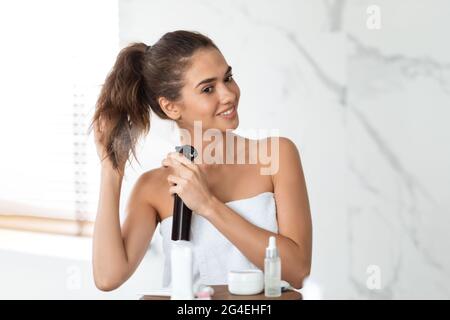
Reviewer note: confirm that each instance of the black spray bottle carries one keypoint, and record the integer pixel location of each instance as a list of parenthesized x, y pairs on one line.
[(181, 221)]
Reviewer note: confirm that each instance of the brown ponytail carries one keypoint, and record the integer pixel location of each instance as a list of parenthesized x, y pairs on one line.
[(138, 78)]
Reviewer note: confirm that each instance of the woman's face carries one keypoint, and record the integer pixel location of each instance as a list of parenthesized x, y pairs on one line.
[(209, 90)]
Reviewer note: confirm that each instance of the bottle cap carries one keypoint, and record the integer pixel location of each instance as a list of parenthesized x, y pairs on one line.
[(188, 151), (271, 250)]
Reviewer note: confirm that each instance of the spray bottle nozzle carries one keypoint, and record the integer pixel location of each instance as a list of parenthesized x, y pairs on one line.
[(271, 250), (188, 151), (272, 242)]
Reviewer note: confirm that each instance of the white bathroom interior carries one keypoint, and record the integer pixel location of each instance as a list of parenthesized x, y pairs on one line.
[(362, 88)]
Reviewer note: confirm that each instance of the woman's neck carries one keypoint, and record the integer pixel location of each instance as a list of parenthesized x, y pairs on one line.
[(213, 147)]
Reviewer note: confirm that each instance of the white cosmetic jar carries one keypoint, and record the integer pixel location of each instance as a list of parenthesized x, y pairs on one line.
[(245, 282)]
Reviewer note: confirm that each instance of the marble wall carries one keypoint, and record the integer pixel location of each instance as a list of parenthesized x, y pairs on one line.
[(363, 89)]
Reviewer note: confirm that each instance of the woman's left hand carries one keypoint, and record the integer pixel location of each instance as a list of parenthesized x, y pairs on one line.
[(189, 182)]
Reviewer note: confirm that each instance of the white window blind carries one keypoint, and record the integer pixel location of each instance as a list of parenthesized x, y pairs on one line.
[(54, 58)]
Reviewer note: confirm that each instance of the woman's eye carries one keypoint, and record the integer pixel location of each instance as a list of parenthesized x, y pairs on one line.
[(205, 90), (228, 79)]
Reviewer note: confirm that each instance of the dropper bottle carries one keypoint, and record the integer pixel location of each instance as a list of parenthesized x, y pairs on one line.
[(272, 270)]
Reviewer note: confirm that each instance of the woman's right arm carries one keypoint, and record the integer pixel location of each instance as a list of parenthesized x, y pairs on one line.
[(118, 251)]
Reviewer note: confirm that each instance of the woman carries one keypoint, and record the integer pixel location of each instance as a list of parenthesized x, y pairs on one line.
[(185, 78)]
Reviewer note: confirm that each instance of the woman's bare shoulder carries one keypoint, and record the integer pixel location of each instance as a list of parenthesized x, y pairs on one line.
[(153, 175), (155, 188), (276, 144), (154, 180)]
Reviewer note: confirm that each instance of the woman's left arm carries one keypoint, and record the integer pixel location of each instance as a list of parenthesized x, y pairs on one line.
[(294, 238)]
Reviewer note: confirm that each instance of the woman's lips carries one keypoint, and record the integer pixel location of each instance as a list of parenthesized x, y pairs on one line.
[(228, 114)]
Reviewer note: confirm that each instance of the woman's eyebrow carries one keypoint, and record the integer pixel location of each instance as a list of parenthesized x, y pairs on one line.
[(213, 79)]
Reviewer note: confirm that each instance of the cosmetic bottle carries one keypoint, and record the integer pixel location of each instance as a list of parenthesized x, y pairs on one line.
[(181, 264), (272, 270)]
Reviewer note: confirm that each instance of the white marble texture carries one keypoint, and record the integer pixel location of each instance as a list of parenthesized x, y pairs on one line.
[(368, 110)]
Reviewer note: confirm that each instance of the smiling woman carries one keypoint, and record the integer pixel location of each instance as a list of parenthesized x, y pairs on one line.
[(184, 78)]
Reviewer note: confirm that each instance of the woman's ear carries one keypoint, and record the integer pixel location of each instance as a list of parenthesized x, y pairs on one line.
[(171, 109)]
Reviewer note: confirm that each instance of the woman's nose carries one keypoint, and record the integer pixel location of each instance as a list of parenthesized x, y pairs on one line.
[(227, 95)]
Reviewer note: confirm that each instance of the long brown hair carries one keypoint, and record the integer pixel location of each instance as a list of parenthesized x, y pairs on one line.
[(140, 75)]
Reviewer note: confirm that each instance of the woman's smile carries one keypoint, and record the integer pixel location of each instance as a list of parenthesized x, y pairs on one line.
[(229, 113)]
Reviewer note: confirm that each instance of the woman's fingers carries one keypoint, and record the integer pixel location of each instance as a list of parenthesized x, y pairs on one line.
[(175, 189), (181, 158), (174, 180), (177, 184), (96, 130), (99, 139), (179, 168), (99, 130)]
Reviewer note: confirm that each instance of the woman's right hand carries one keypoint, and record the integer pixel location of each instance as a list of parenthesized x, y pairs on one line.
[(99, 138), (100, 142)]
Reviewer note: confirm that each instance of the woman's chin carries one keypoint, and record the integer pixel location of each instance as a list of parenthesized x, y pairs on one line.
[(223, 124), (230, 126)]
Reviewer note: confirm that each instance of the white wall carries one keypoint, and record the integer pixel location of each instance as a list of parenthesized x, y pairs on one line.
[(367, 109)]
